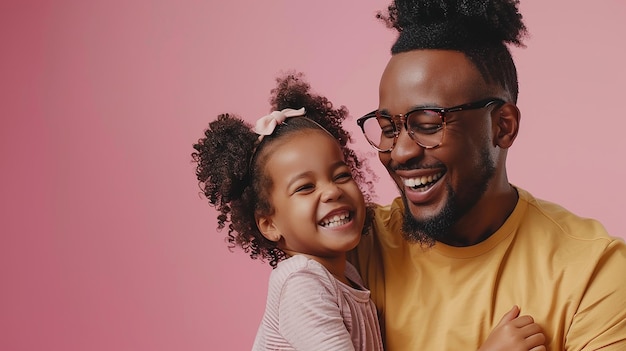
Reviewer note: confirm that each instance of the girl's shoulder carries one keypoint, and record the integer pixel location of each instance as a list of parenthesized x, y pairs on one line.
[(300, 273), (300, 264)]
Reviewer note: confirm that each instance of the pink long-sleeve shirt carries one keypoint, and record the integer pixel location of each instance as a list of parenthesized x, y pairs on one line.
[(309, 309)]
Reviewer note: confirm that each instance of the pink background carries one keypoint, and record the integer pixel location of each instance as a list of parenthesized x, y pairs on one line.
[(105, 243)]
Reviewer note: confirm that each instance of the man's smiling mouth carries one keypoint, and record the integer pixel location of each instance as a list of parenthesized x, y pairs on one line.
[(422, 183)]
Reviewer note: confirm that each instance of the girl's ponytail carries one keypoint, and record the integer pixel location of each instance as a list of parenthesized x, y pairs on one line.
[(223, 161)]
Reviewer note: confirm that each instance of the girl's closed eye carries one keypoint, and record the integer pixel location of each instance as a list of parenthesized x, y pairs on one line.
[(304, 188), (343, 177)]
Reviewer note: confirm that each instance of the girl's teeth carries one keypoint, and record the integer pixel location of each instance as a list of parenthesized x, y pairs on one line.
[(336, 220)]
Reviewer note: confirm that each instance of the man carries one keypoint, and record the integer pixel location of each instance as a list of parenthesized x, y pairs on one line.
[(462, 245)]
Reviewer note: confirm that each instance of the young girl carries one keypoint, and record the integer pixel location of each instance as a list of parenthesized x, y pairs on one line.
[(288, 191)]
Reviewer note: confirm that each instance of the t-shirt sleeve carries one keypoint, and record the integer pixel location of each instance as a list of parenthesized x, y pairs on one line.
[(600, 320), (309, 314)]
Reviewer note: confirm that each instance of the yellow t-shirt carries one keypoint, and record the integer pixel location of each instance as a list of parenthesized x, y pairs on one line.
[(563, 270)]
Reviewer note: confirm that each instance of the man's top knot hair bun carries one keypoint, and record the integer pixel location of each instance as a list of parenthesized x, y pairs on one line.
[(454, 24)]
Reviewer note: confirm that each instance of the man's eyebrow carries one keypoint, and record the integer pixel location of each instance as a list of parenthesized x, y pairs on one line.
[(414, 107)]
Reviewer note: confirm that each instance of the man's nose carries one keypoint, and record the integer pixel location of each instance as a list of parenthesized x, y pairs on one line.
[(405, 148)]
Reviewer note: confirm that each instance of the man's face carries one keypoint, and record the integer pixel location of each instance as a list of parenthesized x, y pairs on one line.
[(440, 185)]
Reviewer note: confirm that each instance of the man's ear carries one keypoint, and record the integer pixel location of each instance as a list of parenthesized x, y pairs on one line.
[(268, 228), (506, 125)]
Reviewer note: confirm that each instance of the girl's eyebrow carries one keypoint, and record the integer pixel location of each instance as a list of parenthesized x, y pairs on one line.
[(298, 177)]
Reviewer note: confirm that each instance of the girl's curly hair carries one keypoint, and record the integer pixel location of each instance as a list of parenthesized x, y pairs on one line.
[(230, 163), (479, 28)]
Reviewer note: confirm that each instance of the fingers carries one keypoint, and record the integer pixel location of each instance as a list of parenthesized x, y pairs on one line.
[(530, 329), (522, 321), (514, 330), (535, 340), (534, 336), (509, 316)]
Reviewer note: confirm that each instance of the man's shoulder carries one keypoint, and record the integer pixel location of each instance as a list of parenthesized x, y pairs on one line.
[(390, 213), (554, 217), (388, 221), (385, 211)]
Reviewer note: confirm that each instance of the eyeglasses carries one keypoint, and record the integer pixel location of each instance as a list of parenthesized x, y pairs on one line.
[(425, 125)]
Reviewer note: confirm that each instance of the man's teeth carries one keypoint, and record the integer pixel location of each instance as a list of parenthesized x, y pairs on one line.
[(421, 181), (336, 220)]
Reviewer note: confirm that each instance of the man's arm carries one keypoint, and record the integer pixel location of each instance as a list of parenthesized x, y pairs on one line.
[(600, 320)]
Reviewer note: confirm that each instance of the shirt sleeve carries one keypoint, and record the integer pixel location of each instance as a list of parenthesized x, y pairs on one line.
[(310, 315), (600, 321)]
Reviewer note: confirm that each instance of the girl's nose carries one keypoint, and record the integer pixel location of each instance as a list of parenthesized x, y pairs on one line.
[(331, 192)]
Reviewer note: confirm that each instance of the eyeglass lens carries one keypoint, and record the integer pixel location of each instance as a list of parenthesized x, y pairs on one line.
[(424, 126)]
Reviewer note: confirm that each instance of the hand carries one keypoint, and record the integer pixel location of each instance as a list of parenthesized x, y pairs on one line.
[(515, 333)]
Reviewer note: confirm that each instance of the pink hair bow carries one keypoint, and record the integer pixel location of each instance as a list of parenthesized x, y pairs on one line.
[(266, 124)]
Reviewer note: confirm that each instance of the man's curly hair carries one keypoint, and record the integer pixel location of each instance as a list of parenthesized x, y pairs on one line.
[(481, 29), (230, 163)]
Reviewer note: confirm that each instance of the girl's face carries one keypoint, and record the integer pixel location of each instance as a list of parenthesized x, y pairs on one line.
[(319, 210)]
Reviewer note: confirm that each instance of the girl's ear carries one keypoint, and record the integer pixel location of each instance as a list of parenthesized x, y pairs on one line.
[(268, 228)]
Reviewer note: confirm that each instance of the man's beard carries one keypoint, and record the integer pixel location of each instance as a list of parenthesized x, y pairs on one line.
[(438, 227)]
